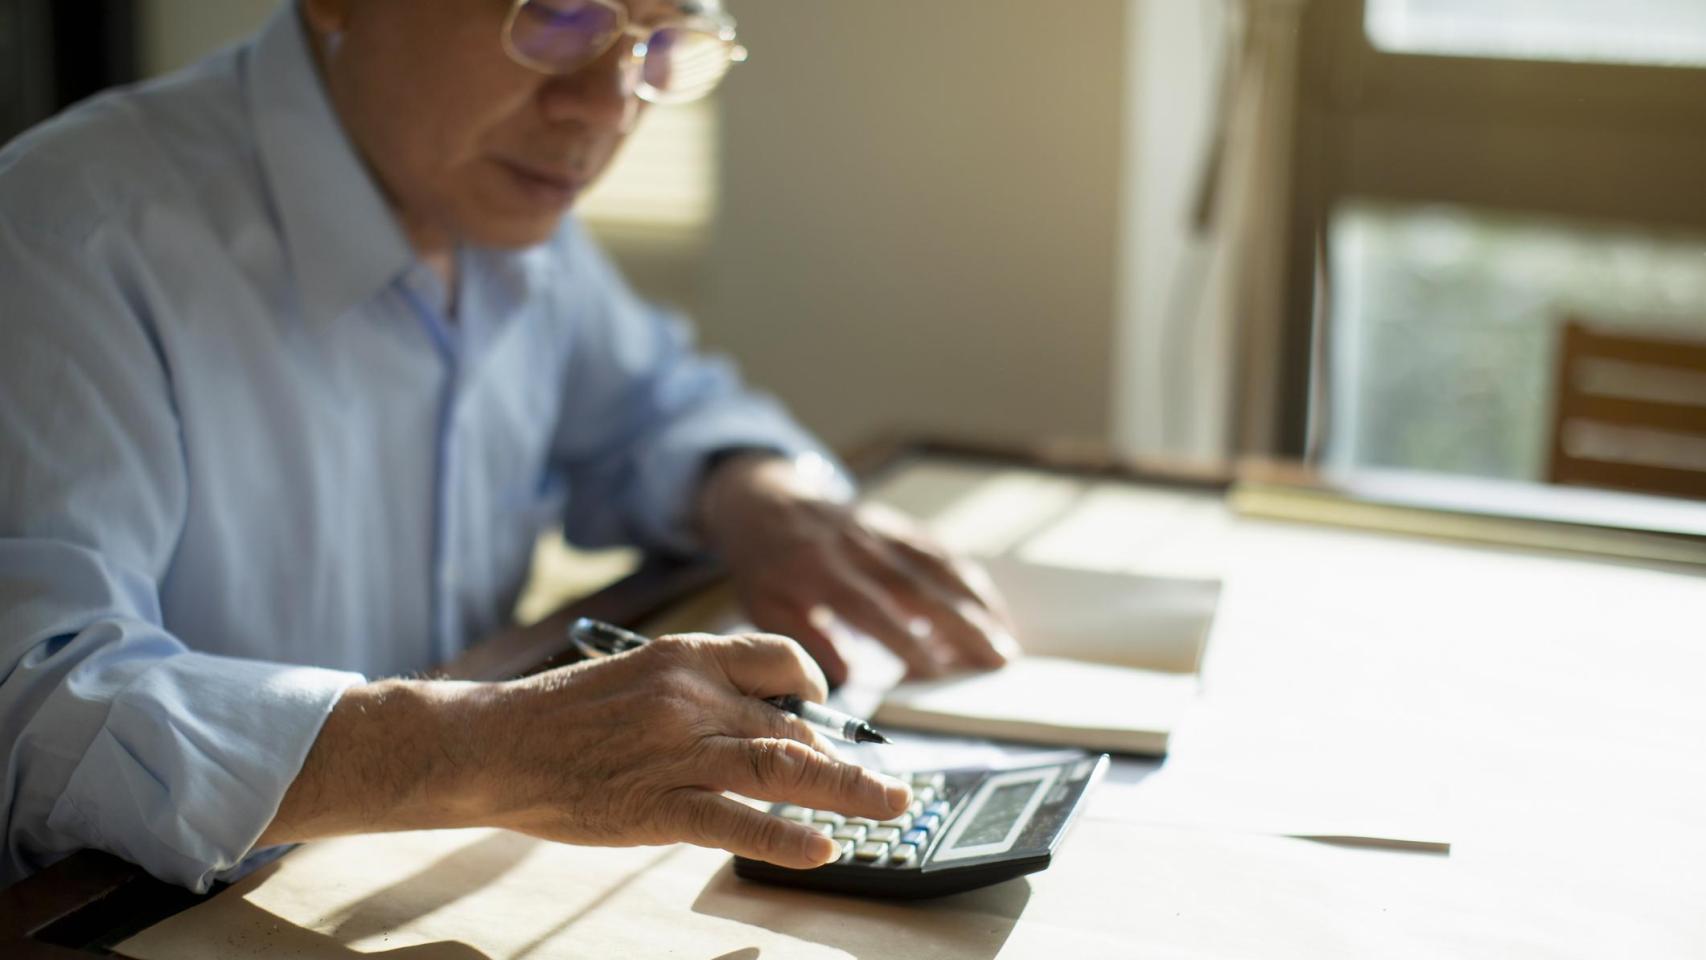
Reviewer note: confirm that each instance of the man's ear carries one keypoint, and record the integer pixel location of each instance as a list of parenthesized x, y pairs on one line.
[(326, 17)]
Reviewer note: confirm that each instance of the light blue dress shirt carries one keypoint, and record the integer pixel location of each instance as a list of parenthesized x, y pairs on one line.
[(250, 454)]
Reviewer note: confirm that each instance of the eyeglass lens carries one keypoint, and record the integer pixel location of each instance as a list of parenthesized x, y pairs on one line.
[(562, 36)]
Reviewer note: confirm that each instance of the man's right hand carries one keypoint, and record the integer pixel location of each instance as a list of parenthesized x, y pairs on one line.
[(628, 750)]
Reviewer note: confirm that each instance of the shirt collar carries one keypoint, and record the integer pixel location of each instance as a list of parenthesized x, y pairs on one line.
[(342, 239)]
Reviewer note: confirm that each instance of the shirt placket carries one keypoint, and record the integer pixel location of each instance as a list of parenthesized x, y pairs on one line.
[(429, 303)]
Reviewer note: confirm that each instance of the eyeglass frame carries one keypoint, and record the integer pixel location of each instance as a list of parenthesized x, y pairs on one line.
[(718, 24)]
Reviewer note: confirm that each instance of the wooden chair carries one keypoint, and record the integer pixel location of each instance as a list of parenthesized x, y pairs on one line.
[(1629, 412)]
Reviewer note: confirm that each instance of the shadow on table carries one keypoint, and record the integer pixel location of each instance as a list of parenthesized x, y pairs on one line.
[(472, 867), (965, 926), (267, 934), (447, 880)]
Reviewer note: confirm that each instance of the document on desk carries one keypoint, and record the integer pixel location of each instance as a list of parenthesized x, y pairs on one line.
[(1321, 714), (1111, 663), (1325, 780)]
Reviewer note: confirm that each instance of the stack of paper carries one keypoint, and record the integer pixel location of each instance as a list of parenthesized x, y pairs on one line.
[(1111, 663)]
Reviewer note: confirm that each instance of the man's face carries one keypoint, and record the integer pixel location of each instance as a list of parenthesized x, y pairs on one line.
[(466, 143)]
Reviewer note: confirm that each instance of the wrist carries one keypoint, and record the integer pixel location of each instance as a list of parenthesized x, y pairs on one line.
[(741, 485), (432, 730)]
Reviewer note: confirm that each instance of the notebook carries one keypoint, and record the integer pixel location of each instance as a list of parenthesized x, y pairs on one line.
[(1111, 663)]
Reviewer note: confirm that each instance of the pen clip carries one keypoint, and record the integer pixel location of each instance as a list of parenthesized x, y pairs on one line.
[(595, 638)]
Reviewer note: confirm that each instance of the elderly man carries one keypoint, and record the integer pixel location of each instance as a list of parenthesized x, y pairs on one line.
[(300, 354)]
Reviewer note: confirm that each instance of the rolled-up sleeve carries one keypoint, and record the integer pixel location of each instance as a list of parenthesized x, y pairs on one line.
[(643, 410), (117, 736)]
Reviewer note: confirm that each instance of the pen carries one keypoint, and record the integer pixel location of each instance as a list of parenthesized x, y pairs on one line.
[(595, 638)]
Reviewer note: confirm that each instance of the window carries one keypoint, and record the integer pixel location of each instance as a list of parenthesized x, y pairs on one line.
[(1466, 176), (1609, 31), (1445, 323), (665, 177)]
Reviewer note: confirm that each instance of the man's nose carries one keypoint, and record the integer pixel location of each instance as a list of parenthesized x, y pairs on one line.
[(600, 94)]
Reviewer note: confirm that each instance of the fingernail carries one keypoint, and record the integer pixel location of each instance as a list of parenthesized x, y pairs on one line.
[(820, 849), (1000, 651), (896, 793)]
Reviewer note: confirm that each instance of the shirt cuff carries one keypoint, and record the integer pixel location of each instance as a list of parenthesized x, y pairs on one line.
[(193, 760)]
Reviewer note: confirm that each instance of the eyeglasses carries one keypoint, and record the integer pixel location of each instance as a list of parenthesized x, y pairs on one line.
[(678, 60)]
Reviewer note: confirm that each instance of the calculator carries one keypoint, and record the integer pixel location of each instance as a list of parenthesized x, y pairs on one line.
[(965, 829)]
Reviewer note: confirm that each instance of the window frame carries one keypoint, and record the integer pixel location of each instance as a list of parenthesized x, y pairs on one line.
[(1601, 142)]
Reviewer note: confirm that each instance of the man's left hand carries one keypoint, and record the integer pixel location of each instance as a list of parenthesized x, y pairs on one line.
[(791, 548)]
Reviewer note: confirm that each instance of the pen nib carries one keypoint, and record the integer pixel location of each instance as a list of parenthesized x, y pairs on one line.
[(866, 735)]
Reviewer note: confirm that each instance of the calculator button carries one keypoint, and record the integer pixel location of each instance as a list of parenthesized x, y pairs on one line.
[(927, 823), (870, 851), (902, 854), (794, 812), (916, 808), (829, 817), (924, 795), (883, 834), (902, 823), (846, 851), (917, 838), (849, 832), (934, 781), (824, 828), (865, 822), (938, 809)]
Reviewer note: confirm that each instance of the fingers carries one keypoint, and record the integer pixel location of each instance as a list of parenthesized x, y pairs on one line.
[(959, 578), (710, 820), (956, 617), (760, 720), (967, 629), (892, 532), (866, 606), (787, 770), (797, 622), (780, 770), (764, 665)]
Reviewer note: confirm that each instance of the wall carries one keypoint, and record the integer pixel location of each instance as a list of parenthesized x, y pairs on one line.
[(920, 209), (176, 32)]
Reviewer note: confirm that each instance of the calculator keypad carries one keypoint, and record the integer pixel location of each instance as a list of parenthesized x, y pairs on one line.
[(897, 842), (966, 828), (850, 832), (871, 851)]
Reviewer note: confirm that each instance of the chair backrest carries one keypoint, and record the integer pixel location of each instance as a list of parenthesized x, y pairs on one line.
[(1629, 411)]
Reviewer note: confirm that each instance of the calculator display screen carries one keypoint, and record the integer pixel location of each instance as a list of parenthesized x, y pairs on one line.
[(998, 813)]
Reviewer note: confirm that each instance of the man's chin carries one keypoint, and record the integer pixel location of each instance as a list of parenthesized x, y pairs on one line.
[(516, 232)]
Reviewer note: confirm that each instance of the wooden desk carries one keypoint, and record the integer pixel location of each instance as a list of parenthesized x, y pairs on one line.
[(1580, 781)]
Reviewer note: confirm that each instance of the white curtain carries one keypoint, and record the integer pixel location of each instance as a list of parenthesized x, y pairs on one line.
[(1255, 181), (1206, 226)]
